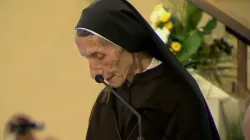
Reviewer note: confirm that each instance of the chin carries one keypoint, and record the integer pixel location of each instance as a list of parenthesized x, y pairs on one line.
[(116, 81), (115, 85)]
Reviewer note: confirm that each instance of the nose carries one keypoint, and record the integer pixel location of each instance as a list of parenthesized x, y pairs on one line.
[(94, 72), (95, 69)]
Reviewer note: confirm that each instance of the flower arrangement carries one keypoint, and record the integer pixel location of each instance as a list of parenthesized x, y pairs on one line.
[(184, 38)]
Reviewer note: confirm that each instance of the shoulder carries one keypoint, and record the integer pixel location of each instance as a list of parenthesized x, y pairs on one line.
[(103, 96), (173, 90), (172, 85)]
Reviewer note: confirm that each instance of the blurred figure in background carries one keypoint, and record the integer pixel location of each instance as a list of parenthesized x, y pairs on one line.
[(21, 127)]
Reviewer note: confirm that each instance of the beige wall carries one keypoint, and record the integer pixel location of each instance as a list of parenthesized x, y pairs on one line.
[(41, 72)]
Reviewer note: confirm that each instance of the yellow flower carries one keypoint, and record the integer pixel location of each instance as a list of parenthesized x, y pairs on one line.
[(165, 16), (158, 6), (169, 25), (176, 46), (159, 15), (154, 17)]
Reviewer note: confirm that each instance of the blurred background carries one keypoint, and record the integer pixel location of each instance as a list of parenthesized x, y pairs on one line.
[(43, 76)]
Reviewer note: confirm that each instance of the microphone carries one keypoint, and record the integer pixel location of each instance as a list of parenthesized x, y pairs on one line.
[(100, 79)]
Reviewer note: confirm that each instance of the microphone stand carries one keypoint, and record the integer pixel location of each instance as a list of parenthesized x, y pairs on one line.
[(100, 79)]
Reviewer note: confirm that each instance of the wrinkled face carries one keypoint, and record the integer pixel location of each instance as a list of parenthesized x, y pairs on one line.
[(105, 58)]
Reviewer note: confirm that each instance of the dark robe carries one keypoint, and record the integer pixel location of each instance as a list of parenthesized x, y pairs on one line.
[(169, 109), (168, 97)]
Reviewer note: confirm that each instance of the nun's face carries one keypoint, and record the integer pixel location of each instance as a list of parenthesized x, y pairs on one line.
[(105, 58)]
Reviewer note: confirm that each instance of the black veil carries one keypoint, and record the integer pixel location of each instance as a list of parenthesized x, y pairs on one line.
[(119, 22)]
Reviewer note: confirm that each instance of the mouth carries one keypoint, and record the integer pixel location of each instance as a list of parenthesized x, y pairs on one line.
[(108, 79)]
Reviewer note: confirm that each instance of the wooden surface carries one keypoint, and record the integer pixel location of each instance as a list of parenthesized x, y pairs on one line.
[(233, 13), (242, 64)]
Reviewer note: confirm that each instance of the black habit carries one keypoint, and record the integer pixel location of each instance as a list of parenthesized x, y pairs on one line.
[(168, 98)]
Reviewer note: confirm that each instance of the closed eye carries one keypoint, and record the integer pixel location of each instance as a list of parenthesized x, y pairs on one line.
[(97, 55)]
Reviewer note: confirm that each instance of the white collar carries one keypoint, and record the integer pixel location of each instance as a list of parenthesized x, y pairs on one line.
[(154, 63)]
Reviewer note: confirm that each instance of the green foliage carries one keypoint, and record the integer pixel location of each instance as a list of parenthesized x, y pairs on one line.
[(195, 51), (178, 32), (211, 24), (161, 25), (213, 60), (189, 35), (188, 41), (193, 16), (190, 46)]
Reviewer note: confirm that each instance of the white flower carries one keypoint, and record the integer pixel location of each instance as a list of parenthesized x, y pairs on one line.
[(153, 26), (163, 34), (154, 17)]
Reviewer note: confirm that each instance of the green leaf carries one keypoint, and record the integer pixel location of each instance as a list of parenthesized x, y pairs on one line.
[(189, 46), (194, 20), (193, 16), (211, 24), (180, 36), (190, 9), (161, 25), (178, 26), (178, 32)]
